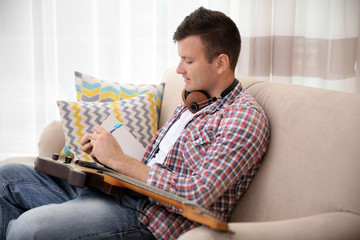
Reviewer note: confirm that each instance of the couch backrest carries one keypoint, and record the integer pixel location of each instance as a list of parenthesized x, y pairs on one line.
[(312, 165), (171, 95)]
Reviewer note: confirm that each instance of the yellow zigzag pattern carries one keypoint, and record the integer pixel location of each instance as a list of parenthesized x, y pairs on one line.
[(125, 96), (78, 95), (116, 111), (113, 96), (79, 126), (153, 110), (78, 119), (90, 93)]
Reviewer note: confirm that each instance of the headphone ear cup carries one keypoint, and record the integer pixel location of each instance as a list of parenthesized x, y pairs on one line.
[(184, 95), (192, 100)]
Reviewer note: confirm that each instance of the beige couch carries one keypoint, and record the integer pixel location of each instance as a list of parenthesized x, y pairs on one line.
[(308, 186)]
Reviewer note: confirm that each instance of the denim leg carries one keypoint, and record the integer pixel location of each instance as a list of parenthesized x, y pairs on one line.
[(93, 215), (22, 188), (45, 208)]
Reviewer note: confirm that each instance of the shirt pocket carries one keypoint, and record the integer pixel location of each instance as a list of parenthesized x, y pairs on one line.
[(199, 142)]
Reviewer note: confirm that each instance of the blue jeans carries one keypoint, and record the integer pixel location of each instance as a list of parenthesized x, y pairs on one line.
[(36, 206)]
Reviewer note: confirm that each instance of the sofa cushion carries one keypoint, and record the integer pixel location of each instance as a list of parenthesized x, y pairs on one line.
[(138, 114)]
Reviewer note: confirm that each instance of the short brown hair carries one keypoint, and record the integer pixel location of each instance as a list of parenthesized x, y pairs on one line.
[(218, 34)]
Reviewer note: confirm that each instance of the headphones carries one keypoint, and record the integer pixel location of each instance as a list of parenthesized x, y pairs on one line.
[(197, 100)]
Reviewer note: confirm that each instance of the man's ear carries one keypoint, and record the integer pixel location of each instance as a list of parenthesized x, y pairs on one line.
[(223, 63)]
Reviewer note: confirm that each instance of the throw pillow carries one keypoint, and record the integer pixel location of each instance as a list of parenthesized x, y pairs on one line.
[(138, 114), (90, 89)]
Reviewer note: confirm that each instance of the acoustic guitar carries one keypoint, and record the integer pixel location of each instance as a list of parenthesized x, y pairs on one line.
[(80, 174)]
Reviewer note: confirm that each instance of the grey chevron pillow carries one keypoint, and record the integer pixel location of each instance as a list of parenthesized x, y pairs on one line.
[(138, 114)]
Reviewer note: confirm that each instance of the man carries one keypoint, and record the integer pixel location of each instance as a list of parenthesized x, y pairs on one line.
[(209, 156)]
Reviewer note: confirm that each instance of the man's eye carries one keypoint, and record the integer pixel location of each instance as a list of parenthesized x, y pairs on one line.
[(188, 62)]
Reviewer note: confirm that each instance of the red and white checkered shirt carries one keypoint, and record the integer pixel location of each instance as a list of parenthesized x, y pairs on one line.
[(212, 162)]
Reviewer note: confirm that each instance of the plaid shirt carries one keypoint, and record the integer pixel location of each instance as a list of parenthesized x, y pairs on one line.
[(212, 162)]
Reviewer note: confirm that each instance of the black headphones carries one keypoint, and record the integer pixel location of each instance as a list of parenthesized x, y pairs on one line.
[(197, 100)]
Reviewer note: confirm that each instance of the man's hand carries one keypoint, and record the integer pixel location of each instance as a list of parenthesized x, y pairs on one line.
[(86, 144), (104, 148)]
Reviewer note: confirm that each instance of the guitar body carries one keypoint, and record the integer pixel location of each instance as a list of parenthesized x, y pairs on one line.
[(76, 175), (82, 174)]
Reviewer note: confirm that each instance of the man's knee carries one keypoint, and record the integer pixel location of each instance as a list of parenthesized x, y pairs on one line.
[(19, 230), (33, 226)]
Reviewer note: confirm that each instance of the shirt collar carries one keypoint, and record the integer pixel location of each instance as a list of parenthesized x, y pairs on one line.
[(228, 99)]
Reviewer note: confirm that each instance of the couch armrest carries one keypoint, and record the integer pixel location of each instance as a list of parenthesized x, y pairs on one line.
[(24, 160), (338, 225), (52, 139)]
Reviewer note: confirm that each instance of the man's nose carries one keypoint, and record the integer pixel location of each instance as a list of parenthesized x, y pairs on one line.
[(180, 69)]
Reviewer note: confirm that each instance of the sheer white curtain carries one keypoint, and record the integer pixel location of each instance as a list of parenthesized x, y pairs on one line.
[(42, 43)]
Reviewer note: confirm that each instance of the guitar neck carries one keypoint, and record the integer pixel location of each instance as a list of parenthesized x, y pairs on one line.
[(190, 209)]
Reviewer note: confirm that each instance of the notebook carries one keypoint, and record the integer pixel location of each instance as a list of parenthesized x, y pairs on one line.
[(126, 140)]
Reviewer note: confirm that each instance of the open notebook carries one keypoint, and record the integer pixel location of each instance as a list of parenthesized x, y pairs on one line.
[(126, 140)]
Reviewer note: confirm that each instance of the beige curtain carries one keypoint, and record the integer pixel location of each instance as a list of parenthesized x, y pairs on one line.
[(308, 42)]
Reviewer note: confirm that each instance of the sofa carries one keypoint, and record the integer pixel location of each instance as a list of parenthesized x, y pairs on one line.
[(308, 185)]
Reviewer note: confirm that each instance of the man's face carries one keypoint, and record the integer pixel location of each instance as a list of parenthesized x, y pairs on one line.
[(197, 72)]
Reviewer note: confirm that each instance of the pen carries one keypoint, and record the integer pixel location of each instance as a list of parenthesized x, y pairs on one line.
[(116, 127)]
